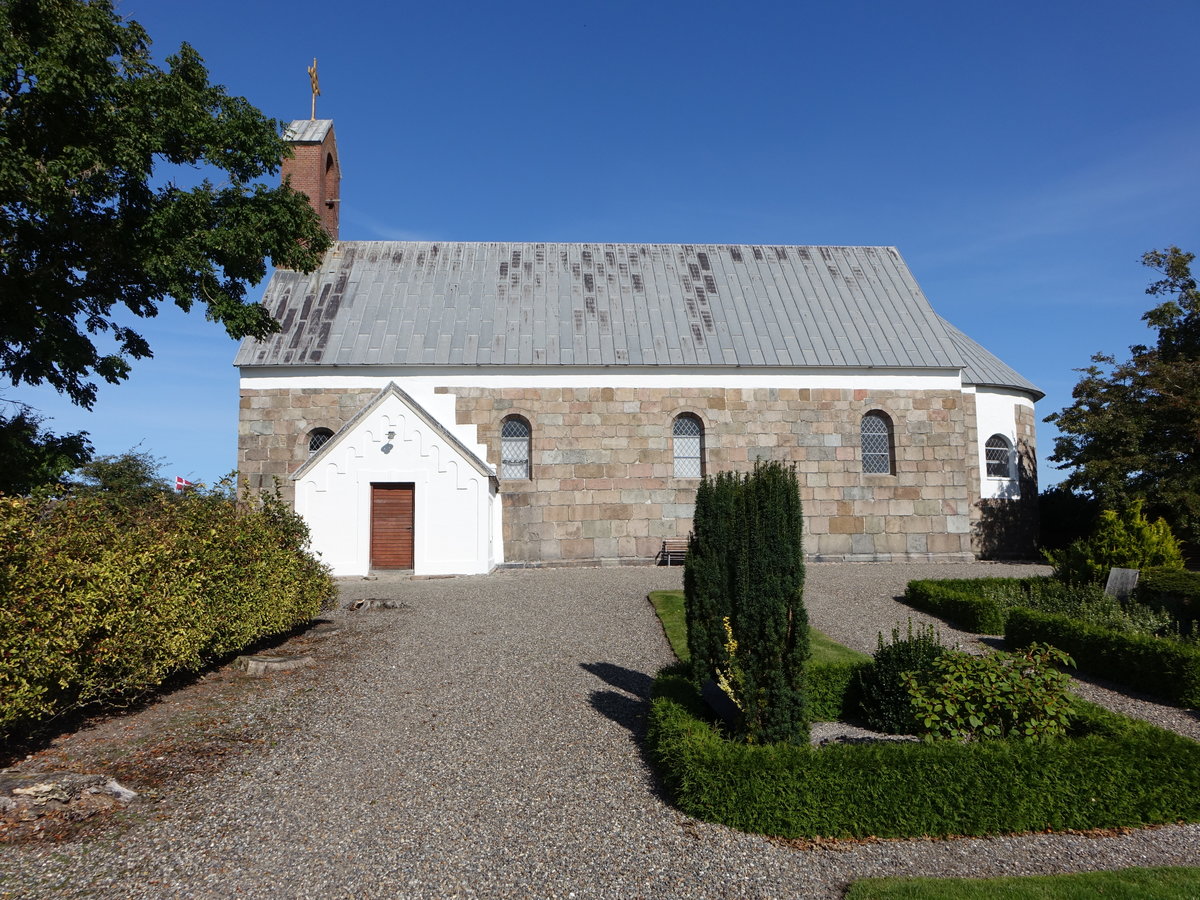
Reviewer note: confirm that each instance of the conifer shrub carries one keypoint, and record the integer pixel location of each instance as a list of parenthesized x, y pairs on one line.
[(707, 573), (100, 603), (884, 699), (743, 583), (1122, 539)]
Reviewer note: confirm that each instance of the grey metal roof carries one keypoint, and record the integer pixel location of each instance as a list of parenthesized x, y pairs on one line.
[(547, 304), (307, 131), (982, 368)]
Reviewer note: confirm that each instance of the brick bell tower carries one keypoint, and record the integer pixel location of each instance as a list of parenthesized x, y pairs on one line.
[(314, 169)]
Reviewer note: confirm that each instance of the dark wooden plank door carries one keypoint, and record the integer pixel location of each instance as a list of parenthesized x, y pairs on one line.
[(392, 526)]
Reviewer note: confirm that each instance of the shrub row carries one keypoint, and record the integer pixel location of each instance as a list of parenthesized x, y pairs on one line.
[(1113, 772), (968, 603), (102, 602), (1165, 668), (1175, 591)]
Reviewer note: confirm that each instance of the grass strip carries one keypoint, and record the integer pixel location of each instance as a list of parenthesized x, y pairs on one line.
[(1162, 883)]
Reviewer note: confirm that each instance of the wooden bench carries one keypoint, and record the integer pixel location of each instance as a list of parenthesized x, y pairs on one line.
[(673, 552)]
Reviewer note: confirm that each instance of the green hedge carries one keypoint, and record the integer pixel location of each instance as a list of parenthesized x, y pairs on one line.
[(833, 689), (1175, 590), (1166, 668), (102, 602), (972, 604), (1113, 773)]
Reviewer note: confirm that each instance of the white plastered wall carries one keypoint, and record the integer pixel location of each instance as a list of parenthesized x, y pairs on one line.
[(455, 507), (996, 413)]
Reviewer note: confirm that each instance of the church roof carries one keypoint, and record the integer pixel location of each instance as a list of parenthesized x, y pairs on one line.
[(396, 303), (307, 131), (984, 369)]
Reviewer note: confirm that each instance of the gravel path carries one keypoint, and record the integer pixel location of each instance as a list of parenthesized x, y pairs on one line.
[(482, 742)]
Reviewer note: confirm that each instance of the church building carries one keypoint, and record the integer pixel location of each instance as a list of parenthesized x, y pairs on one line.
[(449, 407)]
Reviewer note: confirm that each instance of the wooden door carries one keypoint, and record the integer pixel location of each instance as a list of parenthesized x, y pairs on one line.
[(392, 526)]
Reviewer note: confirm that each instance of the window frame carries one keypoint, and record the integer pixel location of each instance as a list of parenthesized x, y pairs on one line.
[(511, 441), (326, 434), (698, 437), (1010, 462), (888, 434)]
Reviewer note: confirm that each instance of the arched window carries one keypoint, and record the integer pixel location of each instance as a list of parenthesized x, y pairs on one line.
[(687, 433), (876, 438), (317, 439), (1000, 457), (515, 435)]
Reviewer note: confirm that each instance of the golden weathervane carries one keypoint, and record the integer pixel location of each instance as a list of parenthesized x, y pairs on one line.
[(316, 86)]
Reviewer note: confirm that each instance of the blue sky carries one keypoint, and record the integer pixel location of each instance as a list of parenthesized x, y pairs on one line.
[(1022, 156)]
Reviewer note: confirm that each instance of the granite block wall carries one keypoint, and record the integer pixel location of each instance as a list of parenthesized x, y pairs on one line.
[(602, 484), (273, 429)]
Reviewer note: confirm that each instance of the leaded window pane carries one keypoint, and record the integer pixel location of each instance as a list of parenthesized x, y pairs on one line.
[(688, 447), (317, 439), (876, 445), (514, 448), (998, 452)]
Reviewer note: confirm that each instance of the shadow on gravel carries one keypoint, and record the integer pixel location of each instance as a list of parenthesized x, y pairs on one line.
[(636, 683)]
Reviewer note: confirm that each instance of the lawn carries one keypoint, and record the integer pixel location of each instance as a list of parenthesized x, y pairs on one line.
[(1122, 884), (669, 606)]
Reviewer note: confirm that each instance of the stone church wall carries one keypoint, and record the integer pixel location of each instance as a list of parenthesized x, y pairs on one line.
[(602, 465), (274, 425), (602, 481)]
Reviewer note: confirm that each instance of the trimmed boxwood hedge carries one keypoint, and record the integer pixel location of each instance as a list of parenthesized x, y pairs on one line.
[(1175, 590), (960, 601), (1114, 772), (1166, 668), (833, 689)]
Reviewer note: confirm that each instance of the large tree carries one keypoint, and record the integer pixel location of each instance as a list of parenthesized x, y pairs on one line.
[(94, 229), (1133, 431)]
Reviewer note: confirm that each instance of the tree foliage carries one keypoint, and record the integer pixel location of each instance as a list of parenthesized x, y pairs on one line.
[(31, 456), (130, 478), (1133, 431), (94, 228)]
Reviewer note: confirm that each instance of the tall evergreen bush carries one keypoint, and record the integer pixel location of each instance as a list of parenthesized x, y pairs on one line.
[(744, 584), (706, 585)]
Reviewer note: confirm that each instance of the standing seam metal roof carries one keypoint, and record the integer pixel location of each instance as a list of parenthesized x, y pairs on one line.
[(550, 304)]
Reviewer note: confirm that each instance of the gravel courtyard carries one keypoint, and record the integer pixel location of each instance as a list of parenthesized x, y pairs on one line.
[(482, 742)]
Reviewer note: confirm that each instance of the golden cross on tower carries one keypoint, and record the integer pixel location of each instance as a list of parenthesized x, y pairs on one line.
[(316, 86)]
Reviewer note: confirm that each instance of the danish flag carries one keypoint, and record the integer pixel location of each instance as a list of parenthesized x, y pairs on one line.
[(181, 484)]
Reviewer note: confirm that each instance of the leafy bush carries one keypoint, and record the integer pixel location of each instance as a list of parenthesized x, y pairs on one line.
[(743, 582), (1111, 772), (884, 700), (1124, 539), (996, 695), (1166, 668), (102, 602)]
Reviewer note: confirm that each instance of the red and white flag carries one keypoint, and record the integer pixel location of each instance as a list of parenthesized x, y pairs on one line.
[(181, 484)]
